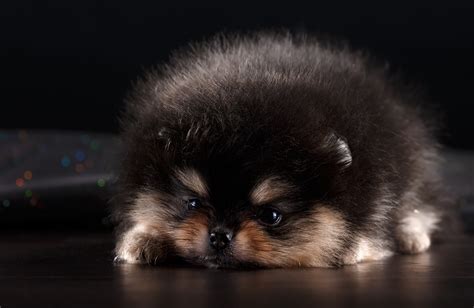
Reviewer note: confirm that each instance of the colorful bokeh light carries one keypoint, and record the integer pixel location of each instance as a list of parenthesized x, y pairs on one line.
[(20, 182), (28, 193), (65, 161), (28, 175), (101, 183)]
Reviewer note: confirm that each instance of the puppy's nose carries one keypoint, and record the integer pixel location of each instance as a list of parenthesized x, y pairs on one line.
[(219, 239)]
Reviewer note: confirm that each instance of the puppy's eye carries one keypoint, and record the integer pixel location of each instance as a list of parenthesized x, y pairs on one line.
[(269, 217), (193, 204)]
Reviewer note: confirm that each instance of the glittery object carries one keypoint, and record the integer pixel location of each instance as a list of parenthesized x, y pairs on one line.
[(28, 193), (101, 183), (79, 161), (28, 175), (65, 161), (20, 182)]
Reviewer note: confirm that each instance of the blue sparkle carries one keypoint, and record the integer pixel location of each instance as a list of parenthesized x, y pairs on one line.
[(65, 161), (80, 156)]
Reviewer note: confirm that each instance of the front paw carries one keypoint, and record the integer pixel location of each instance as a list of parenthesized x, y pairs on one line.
[(139, 248), (412, 243)]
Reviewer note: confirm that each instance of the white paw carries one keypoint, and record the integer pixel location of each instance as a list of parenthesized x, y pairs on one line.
[(413, 242), (136, 247), (414, 230), (127, 256)]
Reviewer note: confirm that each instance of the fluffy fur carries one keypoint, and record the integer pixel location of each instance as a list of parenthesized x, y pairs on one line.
[(273, 121)]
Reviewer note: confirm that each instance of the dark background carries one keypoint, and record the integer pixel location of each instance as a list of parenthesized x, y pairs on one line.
[(68, 64)]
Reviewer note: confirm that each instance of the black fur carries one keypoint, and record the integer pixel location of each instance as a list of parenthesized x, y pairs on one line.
[(241, 108)]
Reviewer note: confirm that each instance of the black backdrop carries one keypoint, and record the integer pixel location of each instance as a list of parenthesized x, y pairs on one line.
[(68, 64)]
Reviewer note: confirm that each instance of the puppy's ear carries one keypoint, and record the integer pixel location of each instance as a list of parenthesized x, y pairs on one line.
[(339, 147)]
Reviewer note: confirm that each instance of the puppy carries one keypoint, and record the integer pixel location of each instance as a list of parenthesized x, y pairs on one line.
[(273, 150)]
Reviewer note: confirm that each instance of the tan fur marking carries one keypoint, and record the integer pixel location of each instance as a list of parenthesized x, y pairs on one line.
[(194, 181), (153, 224), (269, 190), (252, 241), (149, 211), (312, 248), (192, 235)]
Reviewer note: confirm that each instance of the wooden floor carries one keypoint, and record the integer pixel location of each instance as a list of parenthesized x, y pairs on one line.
[(76, 270)]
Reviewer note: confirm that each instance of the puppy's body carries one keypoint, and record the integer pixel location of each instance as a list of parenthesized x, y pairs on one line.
[(274, 151)]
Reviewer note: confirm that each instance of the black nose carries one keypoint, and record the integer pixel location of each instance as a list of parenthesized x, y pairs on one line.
[(219, 239)]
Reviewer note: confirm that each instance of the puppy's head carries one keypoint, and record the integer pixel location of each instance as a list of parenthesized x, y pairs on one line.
[(232, 198)]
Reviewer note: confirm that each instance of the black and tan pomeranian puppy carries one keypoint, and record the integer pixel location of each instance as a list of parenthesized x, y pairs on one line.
[(274, 150)]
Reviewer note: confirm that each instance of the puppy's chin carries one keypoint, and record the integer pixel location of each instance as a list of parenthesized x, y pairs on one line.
[(228, 258), (224, 262), (218, 261)]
